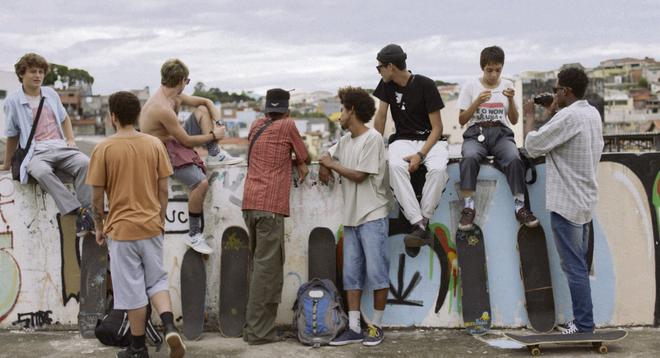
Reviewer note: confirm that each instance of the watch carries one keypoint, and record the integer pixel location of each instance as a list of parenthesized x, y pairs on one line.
[(421, 156)]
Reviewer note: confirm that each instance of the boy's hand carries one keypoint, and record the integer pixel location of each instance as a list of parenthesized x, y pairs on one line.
[(509, 92), (325, 175), (483, 97)]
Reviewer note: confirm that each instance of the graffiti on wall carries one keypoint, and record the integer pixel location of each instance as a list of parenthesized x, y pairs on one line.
[(10, 273), (425, 287)]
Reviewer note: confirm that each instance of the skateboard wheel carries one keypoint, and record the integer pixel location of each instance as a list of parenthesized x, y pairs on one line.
[(535, 351), (602, 349)]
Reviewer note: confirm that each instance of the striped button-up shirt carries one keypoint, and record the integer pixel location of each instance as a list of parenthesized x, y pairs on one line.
[(268, 183), (572, 142)]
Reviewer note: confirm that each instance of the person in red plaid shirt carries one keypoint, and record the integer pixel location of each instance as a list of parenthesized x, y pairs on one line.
[(265, 204)]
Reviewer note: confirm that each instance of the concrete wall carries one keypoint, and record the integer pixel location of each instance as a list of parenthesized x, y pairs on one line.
[(39, 273)]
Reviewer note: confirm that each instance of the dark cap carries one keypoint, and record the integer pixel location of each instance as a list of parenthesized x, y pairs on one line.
[(277, 100), (391, 53)]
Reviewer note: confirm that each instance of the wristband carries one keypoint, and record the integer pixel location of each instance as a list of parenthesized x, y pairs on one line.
[(421, 156)]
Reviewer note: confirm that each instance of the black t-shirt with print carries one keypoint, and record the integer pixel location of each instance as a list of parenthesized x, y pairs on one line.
[(410, 106)]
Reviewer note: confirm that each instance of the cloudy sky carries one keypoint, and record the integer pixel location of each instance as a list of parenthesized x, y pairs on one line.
[(319, 44)]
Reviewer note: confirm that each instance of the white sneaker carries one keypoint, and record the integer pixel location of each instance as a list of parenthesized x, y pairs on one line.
[(568, 328), (222, 158), (198, 244)]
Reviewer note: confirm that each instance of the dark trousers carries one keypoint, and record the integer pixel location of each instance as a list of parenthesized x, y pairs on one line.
[(266, 274), (498, 143)]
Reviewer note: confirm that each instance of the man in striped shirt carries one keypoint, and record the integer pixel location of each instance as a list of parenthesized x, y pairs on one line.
[(573, 142), (265, 204)]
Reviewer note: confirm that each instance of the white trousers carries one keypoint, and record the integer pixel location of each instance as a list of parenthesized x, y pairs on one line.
[(436, 177)]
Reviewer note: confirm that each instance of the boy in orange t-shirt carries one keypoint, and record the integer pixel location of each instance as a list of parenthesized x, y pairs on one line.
[(132, 168)]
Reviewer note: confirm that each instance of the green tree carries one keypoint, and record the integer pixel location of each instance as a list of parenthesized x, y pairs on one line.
[(68, 76), (643, 82)]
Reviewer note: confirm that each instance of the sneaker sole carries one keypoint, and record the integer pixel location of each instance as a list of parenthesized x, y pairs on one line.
[(201, 251), (175, 345), (465, 227), (372, 343), (221, 164), (532, 224), (343, 343)]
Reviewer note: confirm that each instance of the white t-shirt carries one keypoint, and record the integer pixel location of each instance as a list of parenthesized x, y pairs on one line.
[(368, 200), (497, 107)]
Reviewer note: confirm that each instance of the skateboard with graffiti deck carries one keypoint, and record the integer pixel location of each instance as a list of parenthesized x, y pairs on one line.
[(93, 285), (193, 294), (321, 259), (535, 274), (473, 274), (234, 269), (533, 342)]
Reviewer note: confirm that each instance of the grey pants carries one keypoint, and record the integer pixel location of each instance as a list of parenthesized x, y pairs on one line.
[(498, 143), (266, 231), (70, 161)]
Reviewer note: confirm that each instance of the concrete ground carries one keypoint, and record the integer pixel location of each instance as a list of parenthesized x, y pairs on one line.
[(408, 343)]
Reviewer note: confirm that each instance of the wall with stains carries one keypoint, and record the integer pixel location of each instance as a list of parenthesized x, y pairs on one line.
[(40, 254)]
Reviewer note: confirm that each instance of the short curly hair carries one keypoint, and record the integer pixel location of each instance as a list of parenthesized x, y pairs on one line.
[(575, 79), (173, 72), (357, 99), (30, 60)]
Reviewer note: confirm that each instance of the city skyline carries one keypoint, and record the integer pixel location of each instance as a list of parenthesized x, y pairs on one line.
[(322, 45)]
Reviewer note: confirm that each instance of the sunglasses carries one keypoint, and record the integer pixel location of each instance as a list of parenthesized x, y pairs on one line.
[(379, 67), (187, 80)]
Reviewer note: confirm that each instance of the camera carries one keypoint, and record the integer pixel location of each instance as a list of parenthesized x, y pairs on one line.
[(544, 99)]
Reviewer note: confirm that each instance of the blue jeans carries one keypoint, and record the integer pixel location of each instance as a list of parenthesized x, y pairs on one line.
[(365, 254), (572, 242)]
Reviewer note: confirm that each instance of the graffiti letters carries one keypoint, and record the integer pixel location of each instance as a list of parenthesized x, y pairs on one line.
[(33, 320)]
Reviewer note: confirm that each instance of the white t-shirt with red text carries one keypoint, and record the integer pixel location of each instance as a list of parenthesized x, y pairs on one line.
[(495, 109)]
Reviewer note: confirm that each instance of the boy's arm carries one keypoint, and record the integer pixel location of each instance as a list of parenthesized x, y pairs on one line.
[(195, 101), (556, 132), (67, 128), (381, 117), (10, 148), (98, 212), (351, 174), (163, 193), (171, 123)]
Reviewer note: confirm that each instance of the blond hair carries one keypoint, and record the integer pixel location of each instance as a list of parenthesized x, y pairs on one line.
[(173, 72)]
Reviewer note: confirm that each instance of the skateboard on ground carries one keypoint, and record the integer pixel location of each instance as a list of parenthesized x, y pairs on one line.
[(193, 294), (535, 274), (473, 274), (93, 286), (597, 339), (234, 270), (321, 259)]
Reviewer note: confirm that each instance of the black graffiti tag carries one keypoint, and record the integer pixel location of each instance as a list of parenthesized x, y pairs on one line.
[(33, 319)]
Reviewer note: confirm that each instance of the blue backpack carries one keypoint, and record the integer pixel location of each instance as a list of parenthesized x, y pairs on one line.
[(318, 315)]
